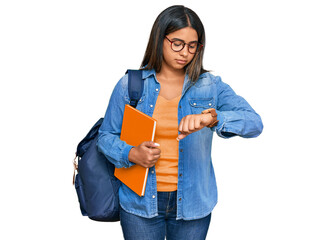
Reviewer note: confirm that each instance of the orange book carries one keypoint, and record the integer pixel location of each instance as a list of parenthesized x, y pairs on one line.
[(137, 127)]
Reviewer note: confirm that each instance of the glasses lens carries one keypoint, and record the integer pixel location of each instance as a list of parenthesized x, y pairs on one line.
[(193, 47), (177, 46)]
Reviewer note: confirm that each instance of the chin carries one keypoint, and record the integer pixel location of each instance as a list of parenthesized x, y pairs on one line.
[(179, 67)]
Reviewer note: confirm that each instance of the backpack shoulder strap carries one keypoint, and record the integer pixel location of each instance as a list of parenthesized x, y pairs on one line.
[(135, 86)]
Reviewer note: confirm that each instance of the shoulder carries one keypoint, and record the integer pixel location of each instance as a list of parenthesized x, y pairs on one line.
[(208, 78), (214, 82), (120, 87), (122, 83)]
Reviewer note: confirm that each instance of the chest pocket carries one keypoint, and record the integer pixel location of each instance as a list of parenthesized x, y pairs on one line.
[(200, 104)]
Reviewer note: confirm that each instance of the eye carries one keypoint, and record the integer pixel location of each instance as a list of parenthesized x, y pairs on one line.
[(193, 45), (177, 43)]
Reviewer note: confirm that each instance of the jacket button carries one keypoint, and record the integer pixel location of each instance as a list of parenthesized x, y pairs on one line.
[(157, 89), (153, 196), (151, 105), (180, 174), (181, 150), (180, 199)]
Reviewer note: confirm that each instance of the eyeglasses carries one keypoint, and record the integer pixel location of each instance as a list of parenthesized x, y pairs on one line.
[(178, 45)]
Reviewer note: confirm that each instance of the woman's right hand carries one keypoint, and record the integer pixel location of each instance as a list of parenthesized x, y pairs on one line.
[(145, 155)]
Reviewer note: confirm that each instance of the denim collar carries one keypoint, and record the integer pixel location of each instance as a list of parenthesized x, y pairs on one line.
[(187, 83), (148, 73)]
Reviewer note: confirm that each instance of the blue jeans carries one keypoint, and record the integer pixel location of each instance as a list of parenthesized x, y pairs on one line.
[(139, 228)]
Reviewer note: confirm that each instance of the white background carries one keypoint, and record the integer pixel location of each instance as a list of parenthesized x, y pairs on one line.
[(59, 61)]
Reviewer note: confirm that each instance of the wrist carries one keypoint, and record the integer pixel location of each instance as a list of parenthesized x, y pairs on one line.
[(131, 155)]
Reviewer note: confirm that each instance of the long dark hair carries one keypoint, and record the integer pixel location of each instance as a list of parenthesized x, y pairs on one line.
[(170, 20)]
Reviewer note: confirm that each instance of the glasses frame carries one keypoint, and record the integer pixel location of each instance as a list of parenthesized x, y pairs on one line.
[(199, 45)]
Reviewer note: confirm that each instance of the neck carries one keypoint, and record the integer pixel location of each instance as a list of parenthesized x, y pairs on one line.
[(167, 72)]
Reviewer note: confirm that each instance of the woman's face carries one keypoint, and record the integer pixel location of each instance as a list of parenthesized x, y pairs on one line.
[(178, 60)]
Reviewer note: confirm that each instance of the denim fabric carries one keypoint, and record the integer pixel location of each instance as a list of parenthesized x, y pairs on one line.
[(197, 190), (165, 224)]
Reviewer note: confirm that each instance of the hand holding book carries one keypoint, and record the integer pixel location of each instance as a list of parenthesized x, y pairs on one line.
[(146, 154)]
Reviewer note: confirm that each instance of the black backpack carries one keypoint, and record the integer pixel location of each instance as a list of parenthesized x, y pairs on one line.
[(95, 183)]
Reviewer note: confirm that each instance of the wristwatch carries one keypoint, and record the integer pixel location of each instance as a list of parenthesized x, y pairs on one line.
[(213, 114)]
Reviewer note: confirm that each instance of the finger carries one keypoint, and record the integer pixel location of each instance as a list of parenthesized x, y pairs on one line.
[(156, 151), (181, 136), (191, 126), (198, 123), (185, 127), (181, 125), (149, 165), (150, 144)]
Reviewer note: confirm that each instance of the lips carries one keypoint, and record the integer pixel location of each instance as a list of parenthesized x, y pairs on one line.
[(181, 61)]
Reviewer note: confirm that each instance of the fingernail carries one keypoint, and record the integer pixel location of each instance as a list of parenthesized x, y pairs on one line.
[(177, 139), (156, 144)]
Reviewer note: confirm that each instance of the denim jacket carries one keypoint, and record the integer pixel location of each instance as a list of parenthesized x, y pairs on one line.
[(197, 190)]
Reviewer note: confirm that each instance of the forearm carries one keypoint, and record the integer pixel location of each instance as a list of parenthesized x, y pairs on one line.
[(114, 149), (245, 124)]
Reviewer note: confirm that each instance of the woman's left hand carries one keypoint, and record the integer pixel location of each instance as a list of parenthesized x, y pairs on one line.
[(192, 123)]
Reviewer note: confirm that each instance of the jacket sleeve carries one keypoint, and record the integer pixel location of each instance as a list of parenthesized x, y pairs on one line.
[(236, 117), (109, 143)]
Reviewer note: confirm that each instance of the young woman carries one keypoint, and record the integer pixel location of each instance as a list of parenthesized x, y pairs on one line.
[(189, 104)]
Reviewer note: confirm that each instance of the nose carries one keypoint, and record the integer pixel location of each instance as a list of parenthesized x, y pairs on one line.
[(184, 52)]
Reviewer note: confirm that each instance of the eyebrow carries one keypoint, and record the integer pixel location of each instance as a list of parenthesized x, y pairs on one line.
[(177, 39)]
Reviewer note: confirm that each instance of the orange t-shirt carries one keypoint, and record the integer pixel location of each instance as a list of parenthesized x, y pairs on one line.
[(166, 132)]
